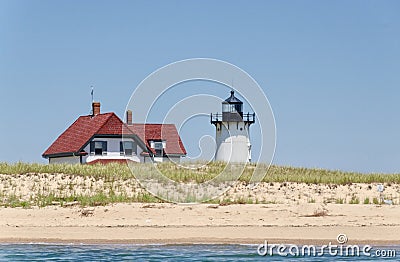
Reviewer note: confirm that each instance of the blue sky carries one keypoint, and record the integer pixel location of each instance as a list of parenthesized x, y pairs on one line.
[(330, 69)]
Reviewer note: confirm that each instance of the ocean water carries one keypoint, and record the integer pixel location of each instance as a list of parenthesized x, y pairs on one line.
[(199, 252)]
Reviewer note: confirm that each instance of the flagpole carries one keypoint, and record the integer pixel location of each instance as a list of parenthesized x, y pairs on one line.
[(92, 94)]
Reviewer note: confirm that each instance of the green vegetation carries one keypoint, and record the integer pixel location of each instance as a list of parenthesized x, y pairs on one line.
[(354, 200), (311, 200), (93, 185), (203, 173), (340, 201), (106, 172), (98, 199)]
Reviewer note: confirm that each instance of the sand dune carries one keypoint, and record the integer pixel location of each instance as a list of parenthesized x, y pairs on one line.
[(27, 187)]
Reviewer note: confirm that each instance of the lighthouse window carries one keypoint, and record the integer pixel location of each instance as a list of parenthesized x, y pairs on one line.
[(226, 107), (231, 108), (238, 108)]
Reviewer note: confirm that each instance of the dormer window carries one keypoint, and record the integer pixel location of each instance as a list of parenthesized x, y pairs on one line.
[(158, 146), (127, 148), (98, 148)]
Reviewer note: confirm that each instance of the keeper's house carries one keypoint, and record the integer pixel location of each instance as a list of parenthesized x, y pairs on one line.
[(105, 138)]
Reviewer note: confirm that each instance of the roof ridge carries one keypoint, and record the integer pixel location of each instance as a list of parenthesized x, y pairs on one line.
[(105, 122), (96, 115)]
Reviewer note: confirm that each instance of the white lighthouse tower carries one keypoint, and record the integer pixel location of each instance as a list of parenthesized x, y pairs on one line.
[(232, 131)]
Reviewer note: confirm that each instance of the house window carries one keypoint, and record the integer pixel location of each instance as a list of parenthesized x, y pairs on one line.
[(127, 148), (98, 148), (158, 146)]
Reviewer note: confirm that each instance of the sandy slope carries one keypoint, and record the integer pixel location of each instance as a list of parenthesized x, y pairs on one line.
[(27, 187), (169, 223)]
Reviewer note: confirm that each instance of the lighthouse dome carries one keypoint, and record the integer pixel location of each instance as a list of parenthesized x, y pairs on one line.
[(233, 99), (234, 107)]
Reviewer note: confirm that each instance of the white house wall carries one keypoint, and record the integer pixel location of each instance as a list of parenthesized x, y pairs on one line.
[(113, 150)]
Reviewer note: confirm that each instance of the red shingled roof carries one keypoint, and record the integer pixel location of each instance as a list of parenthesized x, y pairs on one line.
[(80, 132), (168, 132), (85, 127)]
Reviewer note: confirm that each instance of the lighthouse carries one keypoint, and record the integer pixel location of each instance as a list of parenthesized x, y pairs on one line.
[(232, 131)]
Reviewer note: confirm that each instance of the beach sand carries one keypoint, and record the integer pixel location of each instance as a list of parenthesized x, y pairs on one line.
[(139, 223)]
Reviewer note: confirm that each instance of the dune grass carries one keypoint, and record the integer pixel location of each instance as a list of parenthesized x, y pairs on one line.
[(112, 175), (204, 173), (97, 171)]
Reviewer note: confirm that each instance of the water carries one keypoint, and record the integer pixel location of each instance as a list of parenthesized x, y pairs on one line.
[(55, 252)]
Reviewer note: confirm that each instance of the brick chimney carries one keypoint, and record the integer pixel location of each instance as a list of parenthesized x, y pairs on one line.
[(129, 117), (96, 108)]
